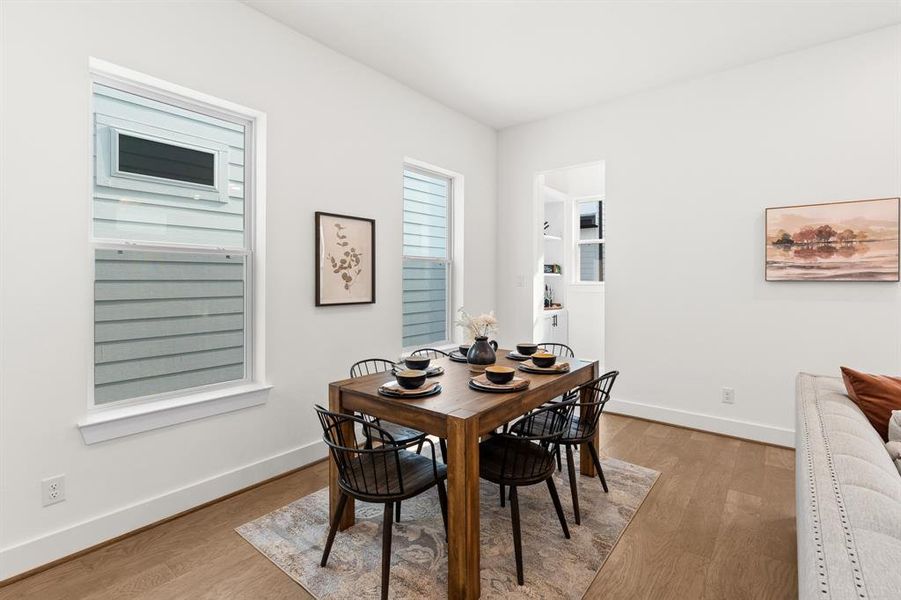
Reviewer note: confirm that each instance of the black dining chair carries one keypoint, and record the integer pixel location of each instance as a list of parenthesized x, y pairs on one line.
[(589, 401), (561, 351), (525, 456), (430, 352), (400, 434), (384, 474), (557, 349)]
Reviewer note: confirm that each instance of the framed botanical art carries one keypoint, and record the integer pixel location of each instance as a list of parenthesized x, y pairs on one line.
[(839, 241), (345, 260)]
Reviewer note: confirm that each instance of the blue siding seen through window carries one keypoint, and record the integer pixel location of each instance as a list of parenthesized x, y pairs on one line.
[(166, 321), (426, 243)]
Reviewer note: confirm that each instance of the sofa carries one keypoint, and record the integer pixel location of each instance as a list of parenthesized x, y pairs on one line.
[(848, 494)]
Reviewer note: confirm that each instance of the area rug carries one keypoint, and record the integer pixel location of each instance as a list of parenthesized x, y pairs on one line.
[(293, 536)]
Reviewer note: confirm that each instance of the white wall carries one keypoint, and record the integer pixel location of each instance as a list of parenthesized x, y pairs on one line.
[(338, 133), (690, 169)]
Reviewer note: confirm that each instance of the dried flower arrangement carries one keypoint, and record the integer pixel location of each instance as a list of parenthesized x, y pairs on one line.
[(480, 326), (349, 267)]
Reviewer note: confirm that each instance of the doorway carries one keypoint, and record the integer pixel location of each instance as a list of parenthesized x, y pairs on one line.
[(570, 229)]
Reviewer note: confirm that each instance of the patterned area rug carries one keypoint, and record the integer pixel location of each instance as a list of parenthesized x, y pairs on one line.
[(293, 536)]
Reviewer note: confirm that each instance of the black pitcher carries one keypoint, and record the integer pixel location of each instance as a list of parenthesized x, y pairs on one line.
[(481, 352)]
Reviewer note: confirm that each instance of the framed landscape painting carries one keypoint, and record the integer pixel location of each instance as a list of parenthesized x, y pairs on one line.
[(839, 241), (345, 259)]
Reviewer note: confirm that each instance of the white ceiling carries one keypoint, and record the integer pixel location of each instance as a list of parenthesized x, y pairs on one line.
[(509, 62)]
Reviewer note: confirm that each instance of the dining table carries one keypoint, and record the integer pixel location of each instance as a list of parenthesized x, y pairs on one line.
[(462, 416)]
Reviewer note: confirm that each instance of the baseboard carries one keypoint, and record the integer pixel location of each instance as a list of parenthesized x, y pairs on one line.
[(50, 547), (748, 430)]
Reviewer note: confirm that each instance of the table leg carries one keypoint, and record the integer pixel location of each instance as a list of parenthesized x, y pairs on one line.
[(586, 463), (463, 508), (349, 516)]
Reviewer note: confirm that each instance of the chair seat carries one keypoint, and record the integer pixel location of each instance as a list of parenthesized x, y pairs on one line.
[(379, 475), (401, 434), (576, 434), (533, 464)]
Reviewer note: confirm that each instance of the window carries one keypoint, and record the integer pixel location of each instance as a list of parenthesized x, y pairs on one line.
[(589, 241), (427, 259), (173, 249), (143, 156)]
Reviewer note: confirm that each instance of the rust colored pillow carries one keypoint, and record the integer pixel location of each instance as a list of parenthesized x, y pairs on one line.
[(876, 395)]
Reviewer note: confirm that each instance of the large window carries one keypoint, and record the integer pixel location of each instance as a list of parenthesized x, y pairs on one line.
[(589, 241), (173, 249), (427, 266)]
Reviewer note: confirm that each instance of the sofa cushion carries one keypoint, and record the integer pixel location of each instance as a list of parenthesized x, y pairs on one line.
[(894, 427), (848, 499), (876, 395)]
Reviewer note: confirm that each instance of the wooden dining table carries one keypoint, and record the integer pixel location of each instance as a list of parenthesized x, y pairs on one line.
[(460, 415)]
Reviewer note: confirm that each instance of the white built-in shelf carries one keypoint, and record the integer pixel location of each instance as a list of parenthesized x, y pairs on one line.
[(555, 238), (553, 274)]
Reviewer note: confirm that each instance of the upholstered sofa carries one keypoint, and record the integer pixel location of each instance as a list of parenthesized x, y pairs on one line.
[(848, 494)]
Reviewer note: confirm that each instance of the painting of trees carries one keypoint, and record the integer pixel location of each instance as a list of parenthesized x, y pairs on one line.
[(838, 241)]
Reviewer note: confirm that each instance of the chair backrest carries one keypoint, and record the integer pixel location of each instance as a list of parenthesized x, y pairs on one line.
[(561, 350), (542, 428), (430, 352), (370, 472), (370, 366), (596, 395)]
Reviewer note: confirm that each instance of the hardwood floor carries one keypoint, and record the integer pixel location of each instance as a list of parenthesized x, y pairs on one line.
[(719, 523)]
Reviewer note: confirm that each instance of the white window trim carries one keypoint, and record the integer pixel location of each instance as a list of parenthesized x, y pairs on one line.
[(455, 249), (103, 423), (576, 273)]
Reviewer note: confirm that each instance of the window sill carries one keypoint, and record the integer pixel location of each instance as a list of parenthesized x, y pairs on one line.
[(112, 423)]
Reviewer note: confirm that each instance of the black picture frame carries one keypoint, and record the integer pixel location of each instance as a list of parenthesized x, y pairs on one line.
[(319, 270)]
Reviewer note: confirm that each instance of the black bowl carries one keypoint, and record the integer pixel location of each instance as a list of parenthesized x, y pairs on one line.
[(544, 360), (410, 378), (464, 349), (417, 363), (527, 349), (499, 375)]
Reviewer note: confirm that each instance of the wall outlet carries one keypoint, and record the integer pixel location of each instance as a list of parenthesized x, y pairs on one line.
[(728, 395), (520, 280), (53, 490)]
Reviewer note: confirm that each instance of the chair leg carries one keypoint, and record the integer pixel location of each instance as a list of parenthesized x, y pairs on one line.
[(574, 488), (597, 465), (386, 550), (553, 490), (503, 496), (419, 446), (559, 466), (333, 528), (397, 512), (517, 539), (442, 445), (442, 500)]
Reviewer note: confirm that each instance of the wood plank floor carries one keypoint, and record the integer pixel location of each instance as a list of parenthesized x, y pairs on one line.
[(719, 523)]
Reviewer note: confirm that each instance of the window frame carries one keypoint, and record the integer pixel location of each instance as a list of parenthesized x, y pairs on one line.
[(578, 242), (448, 261), (125, 417)]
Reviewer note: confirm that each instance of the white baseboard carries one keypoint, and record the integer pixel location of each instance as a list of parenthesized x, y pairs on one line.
[(52, 546), (742, 429)]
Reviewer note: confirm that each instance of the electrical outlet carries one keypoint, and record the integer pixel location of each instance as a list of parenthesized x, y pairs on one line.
[(53, 490), (728, 395), (520, 281)]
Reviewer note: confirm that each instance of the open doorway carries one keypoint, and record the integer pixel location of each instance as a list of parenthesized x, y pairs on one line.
[(571, 227)]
